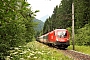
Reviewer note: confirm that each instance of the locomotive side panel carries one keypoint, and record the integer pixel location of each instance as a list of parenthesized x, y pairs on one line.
[(51, 37)]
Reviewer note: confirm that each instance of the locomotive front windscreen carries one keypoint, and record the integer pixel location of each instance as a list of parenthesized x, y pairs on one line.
[(61, 34)]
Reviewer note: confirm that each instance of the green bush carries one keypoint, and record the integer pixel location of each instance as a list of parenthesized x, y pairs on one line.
[(83, 35)]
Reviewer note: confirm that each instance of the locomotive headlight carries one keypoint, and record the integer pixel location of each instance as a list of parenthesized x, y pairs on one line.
[(56, 39), (67, 39)]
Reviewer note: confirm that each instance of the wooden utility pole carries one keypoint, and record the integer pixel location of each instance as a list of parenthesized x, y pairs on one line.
[(73, 26)]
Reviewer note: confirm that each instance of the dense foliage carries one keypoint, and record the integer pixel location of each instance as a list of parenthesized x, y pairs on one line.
[(16, 25), (62, 18), (83, 35)]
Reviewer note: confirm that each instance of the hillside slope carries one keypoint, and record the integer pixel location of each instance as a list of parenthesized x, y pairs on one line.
[(40, 25)]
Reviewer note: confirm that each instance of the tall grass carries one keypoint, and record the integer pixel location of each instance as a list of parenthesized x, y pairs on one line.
[(36, 51)]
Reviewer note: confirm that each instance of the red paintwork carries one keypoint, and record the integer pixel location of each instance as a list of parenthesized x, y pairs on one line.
[(51, 36)]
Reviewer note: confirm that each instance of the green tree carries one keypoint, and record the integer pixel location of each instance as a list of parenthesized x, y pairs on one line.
[(16, 25), (82, 13)]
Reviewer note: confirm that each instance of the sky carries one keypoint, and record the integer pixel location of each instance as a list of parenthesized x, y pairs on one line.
[(45, 7)]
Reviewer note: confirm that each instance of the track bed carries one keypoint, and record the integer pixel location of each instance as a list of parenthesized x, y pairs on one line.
[(76, 55)]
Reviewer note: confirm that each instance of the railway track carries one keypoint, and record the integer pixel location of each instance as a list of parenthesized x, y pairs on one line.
[(76, 55)]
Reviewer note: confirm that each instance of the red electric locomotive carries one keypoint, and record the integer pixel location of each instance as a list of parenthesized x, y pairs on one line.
[(58, 37)]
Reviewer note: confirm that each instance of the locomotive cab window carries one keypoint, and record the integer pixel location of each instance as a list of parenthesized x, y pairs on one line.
[(62, 34)]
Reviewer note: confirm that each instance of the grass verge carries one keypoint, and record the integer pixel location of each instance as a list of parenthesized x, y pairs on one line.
[(83, 49)]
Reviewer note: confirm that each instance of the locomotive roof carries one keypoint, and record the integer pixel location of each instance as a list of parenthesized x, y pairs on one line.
[(54, 30), (61, 29)]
